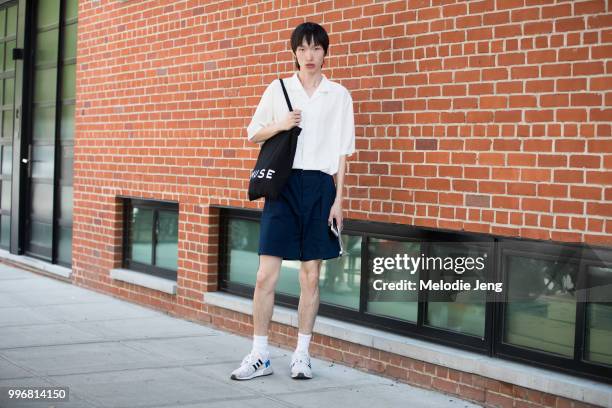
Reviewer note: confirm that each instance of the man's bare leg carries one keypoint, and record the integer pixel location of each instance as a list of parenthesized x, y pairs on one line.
[(307, 313), (263, 299), (257, 362), (309, 297)]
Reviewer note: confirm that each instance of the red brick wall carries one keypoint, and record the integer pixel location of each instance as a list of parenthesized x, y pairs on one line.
[(490, 116)]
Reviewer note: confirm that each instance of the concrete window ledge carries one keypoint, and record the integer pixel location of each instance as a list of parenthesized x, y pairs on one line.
[(145, 280), (514, 373), (37, 263)]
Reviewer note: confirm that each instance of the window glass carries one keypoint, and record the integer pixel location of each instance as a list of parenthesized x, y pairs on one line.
[(48, 13), (141, 227), (166, 248), (5, 230), (340, 278), (46, 47), (242, 258), (541, 305), (70, 39), (399, 304), (67, 123), (599, 316), (458, 310), (9, 62)]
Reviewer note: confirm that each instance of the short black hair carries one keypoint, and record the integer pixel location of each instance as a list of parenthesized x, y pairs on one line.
[(312, 32)]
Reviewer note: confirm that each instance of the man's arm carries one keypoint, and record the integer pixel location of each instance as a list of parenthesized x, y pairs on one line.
[(347, 148), (340, 180), (267, 132), (336, 208)]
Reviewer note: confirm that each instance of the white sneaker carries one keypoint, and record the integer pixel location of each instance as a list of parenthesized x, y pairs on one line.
[(253, 365), (300, 366)]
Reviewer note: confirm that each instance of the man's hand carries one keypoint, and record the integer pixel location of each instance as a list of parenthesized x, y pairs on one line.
[(291, 120), (336, 212)]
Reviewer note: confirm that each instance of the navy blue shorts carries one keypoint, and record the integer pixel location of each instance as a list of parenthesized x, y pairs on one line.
[(294, 225)]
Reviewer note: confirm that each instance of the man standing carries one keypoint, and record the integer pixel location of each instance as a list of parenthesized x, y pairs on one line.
[(296, 225)]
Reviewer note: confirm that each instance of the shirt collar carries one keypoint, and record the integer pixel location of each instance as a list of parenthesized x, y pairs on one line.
[(295, 83)]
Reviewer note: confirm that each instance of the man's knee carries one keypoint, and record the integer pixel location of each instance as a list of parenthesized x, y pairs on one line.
[(309, 274), (266, 277)]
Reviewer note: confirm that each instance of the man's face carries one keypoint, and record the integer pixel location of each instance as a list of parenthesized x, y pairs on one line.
[(310, 56)]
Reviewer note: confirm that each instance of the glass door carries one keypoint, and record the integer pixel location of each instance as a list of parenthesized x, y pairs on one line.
[(48, 224), (8, 40)]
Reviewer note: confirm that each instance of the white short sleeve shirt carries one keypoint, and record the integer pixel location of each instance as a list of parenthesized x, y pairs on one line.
[(328, 124)]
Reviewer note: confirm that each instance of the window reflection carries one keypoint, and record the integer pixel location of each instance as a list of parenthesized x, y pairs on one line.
[(461, 311), (398, 304), (599, 316), (340, 278), (242, 258), (141, 244), (166, 249), (541, 308)]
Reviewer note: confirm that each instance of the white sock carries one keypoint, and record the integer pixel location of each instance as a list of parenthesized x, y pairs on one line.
[(260, 344), (303, 342)]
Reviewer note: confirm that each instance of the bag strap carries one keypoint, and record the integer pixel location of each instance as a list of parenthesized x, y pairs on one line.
[(286, 96)]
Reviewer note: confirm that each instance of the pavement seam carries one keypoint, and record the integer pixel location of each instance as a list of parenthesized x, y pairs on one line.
[(102, 341)]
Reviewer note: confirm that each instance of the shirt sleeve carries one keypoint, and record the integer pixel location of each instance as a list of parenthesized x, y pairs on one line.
[(347, 137), (264, 114)]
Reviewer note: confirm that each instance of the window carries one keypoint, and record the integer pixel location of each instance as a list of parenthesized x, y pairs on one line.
[(151, 237), (401, 305), (461, 310), (340, 278), (541, 308), (555, 309), (599, 316)]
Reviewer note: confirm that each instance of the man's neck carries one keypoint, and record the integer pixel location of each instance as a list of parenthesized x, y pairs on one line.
[(310, 81)]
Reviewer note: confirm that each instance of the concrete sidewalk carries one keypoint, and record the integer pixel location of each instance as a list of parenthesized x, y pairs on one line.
[(111, 353)]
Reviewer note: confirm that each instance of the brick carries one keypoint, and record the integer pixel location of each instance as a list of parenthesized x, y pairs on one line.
[(588, 68), (420, 379), (396, 372), (569, 207), (535, 204), (601, 209), (471, 393), (599, 146), (570, 24), (600, 84), (585, 161), (498, 400), (552, 190), (551, 160), (589, 7), (477, 200), (600, 115), (446, 386), (578, 84)]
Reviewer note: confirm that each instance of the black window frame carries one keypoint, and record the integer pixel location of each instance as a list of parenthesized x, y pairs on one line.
[(491, 344), (584, 257), (155, 205)]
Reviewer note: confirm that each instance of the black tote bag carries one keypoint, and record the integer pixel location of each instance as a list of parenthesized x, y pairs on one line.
[(275, 161)]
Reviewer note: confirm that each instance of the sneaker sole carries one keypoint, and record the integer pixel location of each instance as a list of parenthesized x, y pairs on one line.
[(254, 375), (301, 376)]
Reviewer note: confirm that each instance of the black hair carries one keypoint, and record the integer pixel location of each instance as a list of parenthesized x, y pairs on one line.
[(312, 32)]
